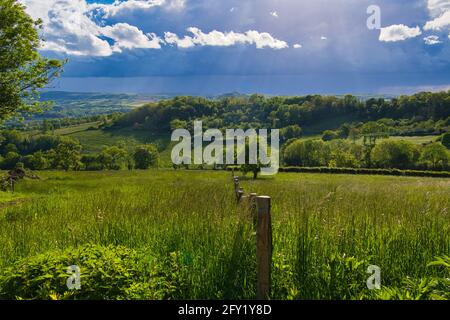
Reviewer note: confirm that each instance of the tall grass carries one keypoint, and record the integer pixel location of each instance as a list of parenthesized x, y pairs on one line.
[(327, 229)]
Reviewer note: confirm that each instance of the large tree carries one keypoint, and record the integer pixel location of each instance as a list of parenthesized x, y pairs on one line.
[(23, 71)]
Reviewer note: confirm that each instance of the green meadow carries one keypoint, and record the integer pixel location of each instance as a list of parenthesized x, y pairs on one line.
[(188, 239)]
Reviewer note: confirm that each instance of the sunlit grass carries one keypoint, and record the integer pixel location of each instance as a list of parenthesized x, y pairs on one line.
[(399, 224)]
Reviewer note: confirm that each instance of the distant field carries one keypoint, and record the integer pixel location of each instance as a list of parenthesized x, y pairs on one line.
[(327, 229), (78, 128)]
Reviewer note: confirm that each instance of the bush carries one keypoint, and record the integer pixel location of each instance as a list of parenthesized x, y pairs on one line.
[(329, 135), (386, 172), (446, 140), (112, 272), (395, 154), (146, 156)]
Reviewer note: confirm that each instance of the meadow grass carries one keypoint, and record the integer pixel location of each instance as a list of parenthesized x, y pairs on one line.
[(319, 221)]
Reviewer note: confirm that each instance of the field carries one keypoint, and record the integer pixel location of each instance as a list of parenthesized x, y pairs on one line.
[(327, 230)]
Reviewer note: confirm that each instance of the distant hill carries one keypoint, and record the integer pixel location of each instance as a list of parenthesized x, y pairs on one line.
[(81, 104)]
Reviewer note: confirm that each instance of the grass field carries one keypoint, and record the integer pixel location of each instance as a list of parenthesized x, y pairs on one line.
[(327, 229)]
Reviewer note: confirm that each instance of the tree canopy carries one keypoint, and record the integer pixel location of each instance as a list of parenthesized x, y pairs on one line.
[(23, 71)]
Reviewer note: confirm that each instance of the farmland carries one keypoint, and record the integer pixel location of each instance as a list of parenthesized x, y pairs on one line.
[(327, 230)]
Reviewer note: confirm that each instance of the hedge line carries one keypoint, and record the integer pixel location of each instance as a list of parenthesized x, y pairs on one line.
[(385, 172)]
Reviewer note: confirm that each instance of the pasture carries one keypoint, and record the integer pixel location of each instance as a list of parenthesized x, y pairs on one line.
[(327, 229)]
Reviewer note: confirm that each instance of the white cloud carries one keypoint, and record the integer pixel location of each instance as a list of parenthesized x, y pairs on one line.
[(124, 7), (439, 23), (438, 7), (323, 38), (398, 32), (68, 28), (274, 14), (225, 39), (432, 40), (232, 9), (129, 37), (297, 46)]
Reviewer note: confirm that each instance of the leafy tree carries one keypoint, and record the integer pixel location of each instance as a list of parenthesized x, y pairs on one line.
[(309, 153), (113, 158), (22, 70), (247, 167), (146, 156), (435, 155), (344, 131), (290, 132), (46, 126), (395, 154), (371, 132), (344, 154), (178, 124), (67, 154), (329, 135), (446, 140), (10, 160)]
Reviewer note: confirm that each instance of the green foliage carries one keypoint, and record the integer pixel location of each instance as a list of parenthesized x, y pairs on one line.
[(329, 135), (112, 158), (406, 113), (22, 70), (67, 154), (395, 154), (446, 140), (10, 160), (327, 229), (146, 156), (308, 153), (364, 171), (290, 132), (435, 156), (111, 272)]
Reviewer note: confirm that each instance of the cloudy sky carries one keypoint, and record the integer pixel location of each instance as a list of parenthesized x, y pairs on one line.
[(266, 46)]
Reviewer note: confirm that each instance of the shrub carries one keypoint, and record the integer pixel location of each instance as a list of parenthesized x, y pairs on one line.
[(112, 272), (395, 154), (146, 156)]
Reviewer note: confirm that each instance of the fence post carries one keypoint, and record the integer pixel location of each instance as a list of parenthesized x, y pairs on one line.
[(263, 247)]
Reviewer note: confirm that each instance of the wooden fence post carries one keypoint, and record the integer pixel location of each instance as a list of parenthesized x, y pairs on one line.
[(263, 247)]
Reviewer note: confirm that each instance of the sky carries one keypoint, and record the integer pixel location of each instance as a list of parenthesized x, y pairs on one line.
[(250, 46)]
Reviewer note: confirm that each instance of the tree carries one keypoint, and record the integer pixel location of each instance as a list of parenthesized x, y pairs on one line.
[(37, 161), (309, 153), (113, 158), (68, 154), (446, 140), (290, 132), (329, 135), (22, 70), (146, 156), (435, 155), (395, 154), (372, 131), (10, 160)]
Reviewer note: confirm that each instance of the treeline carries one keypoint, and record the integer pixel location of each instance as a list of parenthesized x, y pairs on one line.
[(48, 151), (383, 154), (49, 124), (258, 111)]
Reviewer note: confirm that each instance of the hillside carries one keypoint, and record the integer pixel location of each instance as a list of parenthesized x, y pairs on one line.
[(75, 104)]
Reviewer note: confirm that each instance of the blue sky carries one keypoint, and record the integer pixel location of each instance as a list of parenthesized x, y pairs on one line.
[(266, 46)]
